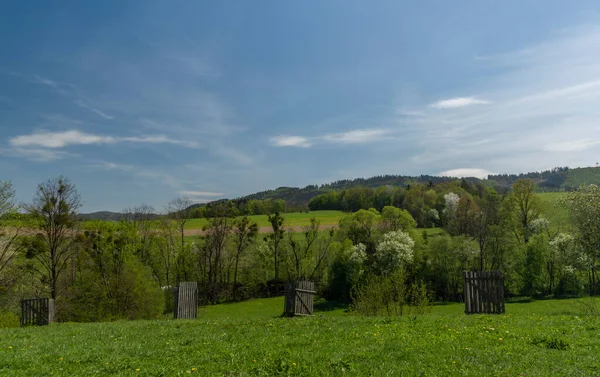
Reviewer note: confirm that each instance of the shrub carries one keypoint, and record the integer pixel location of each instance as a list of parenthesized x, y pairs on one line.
[(9, 319), (390, 296)]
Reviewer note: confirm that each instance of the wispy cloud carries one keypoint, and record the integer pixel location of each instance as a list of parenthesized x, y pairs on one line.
[(465, 172), (62, 139), (291, 141), (453, 103), (357, 136), (44, 81), (35, 154), (82, 104)]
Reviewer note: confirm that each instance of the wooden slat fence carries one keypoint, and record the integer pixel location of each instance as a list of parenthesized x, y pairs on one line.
[(186, 301), (37, 311), (299, 298), (484, 292)]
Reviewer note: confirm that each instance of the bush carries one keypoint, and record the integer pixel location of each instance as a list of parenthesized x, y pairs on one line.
[(390, 296), (8, 319)]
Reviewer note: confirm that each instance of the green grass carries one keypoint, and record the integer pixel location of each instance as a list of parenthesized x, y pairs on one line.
[(291, 219), (542, 338), (553, 210)]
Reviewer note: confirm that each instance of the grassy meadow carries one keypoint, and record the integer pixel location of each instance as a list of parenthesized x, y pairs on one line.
[(541, 338), (553, 210), (291, 219)]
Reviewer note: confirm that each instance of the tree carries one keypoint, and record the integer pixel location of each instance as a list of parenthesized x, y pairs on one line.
[(524, 207), (484, 220), (275, 239), (141, 219), (8, 238), (301, 251), (179, 211), (7, 197), (54, 209), (244, 234), (395, 250), (584, 210), (217, 234), (360, 227), (393, 219)]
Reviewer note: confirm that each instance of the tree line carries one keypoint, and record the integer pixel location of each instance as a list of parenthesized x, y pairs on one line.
[(380, 257)]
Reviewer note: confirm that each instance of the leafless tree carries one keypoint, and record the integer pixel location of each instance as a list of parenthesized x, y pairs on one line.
[(9, 246), (54, 209), (142, 219), (179, 211)]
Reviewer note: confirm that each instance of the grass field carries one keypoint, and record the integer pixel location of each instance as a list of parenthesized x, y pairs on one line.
[(553, 210), (291, 219), (543, 338)]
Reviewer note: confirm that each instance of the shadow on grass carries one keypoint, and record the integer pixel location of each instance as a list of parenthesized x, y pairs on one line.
[(326, 306)]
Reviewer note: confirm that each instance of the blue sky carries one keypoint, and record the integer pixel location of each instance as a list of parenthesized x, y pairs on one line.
[(141, 101)]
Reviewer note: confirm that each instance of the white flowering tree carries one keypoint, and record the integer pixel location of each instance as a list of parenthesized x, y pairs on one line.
[(395, 250), (584, 210), (451, 204)]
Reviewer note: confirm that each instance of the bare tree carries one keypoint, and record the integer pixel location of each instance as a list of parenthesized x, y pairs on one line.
[(217, 234), (141, 219), (7, 196), (179, 211), (8, 237), (54, 209)]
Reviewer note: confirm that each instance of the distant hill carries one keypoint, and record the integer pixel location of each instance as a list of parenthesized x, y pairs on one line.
[(108, 216), (557, 179), (102, 215), (301, 196)]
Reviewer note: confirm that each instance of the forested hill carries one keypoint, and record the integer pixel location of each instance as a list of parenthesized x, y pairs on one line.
[(295, 198), (303, 195), (558, 179)]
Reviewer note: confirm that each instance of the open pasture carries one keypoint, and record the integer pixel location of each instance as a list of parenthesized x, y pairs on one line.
[(542, 338), (293, 219)]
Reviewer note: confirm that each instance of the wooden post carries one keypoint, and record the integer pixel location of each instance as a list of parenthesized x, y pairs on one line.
[(186, 301)]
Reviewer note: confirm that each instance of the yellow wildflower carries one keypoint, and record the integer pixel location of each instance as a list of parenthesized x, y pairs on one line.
[(294, 364), (137, 370), (500, 339), (193, 369)]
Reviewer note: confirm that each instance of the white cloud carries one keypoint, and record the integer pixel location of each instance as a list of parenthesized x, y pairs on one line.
[(201, 193), (47, 139), (458, 102), (36, 154), (291, 141), (571, 146), (59, 139), (357, 136), (466, 172)]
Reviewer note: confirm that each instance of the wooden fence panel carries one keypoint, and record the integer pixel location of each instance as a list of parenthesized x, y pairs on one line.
[(299, 298), (186, 301), (37, 311), (483, 292)]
